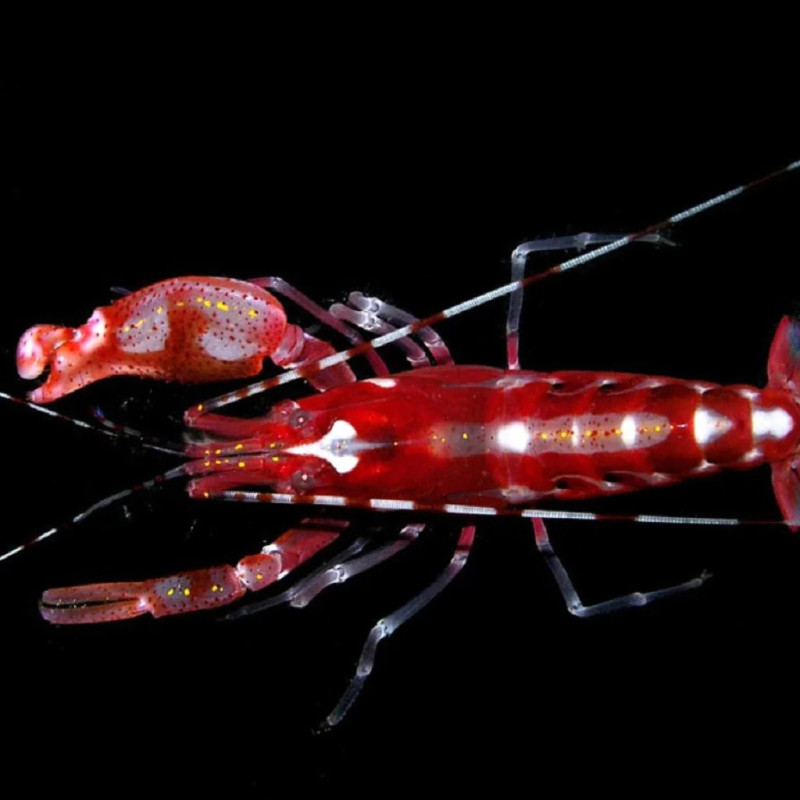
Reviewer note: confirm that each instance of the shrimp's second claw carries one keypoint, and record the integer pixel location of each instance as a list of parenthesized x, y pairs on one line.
[(109, 602)]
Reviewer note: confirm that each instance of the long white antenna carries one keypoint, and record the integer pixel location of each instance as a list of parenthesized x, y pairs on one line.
[(193, 413)]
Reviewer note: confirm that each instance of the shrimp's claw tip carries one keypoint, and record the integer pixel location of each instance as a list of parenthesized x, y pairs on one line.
[(65, 352), (37, 346), (79, 605), (174, 594)]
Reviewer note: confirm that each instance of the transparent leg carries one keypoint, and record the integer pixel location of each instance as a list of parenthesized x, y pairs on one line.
[(386, 626), (519, 259), (573, 601), (376, 316)]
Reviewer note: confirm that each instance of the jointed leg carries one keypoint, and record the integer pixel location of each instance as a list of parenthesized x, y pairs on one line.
[(376, 316), (519, 259), (307, 348), (346, 565), (414, 354), (386, 626), (190, 591), (574, 604)]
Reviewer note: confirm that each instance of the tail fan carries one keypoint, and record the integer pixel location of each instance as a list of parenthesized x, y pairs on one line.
[(783, 371)]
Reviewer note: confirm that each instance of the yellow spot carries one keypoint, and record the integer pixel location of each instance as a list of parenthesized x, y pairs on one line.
[(207, 464), (272, 445), (170, 592), (200, 407), (465, 436), (241, 464), (564, 434), (657, 429), (587, 434), (215, 588), (218, 452), (442, 440), (180, 304), (276, 458), (238, 447), (217, 461), (207, 303), (618, 431), (139, 323), (160, 310), (206, 495), (199, 299), (222, 306), (187, 592), (259, 576), (543, 436), (252, 313), (126, 328)]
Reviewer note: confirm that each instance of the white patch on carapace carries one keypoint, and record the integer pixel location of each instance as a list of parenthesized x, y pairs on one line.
[(384, 383), (771, 423), (748, 394), (708, 425), (332, 447), (628, 428), (584, 433), (703, 466), (144, 332), (514, 437)]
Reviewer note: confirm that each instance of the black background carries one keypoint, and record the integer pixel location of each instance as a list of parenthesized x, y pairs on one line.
[(117, 182)]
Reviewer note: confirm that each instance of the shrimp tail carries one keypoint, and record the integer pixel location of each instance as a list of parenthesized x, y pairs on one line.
[(783, 371)]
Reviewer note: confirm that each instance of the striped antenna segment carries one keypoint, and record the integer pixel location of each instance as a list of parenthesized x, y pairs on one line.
[(105, 427), (407, 330), (177, 472), (391, 504)]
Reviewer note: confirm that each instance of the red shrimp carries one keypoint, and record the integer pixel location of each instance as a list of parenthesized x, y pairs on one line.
[(469, 440)]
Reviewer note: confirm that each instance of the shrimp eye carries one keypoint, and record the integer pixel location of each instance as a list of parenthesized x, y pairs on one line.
[(299, 418)]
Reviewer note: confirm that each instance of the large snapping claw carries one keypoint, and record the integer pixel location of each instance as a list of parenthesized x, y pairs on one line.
[(193, 329)]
